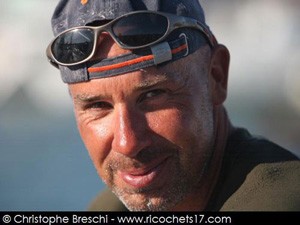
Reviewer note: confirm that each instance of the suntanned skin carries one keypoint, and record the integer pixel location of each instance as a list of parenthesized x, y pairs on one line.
[(156, 136)]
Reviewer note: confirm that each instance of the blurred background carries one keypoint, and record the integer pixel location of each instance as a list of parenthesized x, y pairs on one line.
[(44, 164)]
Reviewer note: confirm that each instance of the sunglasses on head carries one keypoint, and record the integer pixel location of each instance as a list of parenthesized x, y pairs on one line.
[(134, 30)]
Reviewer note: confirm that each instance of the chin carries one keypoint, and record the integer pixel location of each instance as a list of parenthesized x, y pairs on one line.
[(147, 201)]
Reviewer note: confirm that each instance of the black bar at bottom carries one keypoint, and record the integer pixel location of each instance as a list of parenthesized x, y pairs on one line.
[(236, 218)]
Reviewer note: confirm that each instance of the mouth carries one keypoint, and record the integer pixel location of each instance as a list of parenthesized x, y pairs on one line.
[(155, 173)]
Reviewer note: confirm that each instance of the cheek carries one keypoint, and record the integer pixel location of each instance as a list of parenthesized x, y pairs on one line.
[(189, 128), (95, 136), (192, 132), (174, 125)]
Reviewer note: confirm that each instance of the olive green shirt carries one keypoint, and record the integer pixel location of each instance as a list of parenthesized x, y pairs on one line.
[(256, 175)]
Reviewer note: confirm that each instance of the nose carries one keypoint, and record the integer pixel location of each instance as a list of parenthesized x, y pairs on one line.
[(130, 132)]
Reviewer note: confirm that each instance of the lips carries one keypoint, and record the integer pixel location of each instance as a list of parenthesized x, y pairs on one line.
[(143, 177)]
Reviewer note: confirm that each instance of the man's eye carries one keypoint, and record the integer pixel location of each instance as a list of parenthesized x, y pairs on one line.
[(99, 105), (154, 93)]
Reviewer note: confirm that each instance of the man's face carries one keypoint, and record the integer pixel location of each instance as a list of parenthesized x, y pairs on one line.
[(150, 132)]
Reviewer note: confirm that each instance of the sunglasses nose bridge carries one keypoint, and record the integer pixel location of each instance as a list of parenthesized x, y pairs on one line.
[(105, 29), (98, 31), (104, 39)]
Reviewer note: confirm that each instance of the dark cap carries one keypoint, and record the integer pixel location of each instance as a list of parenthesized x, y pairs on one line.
[(73, 13)]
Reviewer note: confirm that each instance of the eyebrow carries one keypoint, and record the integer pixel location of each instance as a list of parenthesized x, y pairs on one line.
[(87, 98)]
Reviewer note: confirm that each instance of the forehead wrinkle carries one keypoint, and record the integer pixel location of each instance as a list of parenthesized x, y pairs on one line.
[(154, 79), (147, 83)]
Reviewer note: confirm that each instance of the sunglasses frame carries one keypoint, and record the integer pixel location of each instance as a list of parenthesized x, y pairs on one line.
[(174, 22)]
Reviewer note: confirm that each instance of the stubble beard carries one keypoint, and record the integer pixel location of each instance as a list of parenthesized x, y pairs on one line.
[(159, 200), (185, 181)]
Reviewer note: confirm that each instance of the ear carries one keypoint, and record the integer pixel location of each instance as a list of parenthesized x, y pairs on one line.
[(218, 72)]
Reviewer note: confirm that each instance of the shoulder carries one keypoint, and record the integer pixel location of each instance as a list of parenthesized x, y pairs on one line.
[(268, 187), (258, 175)]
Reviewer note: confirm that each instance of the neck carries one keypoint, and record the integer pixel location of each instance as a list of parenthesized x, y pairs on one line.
[(198, 201)]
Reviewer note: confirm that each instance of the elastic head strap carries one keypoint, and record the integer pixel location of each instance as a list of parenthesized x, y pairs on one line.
[(158, 54)]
